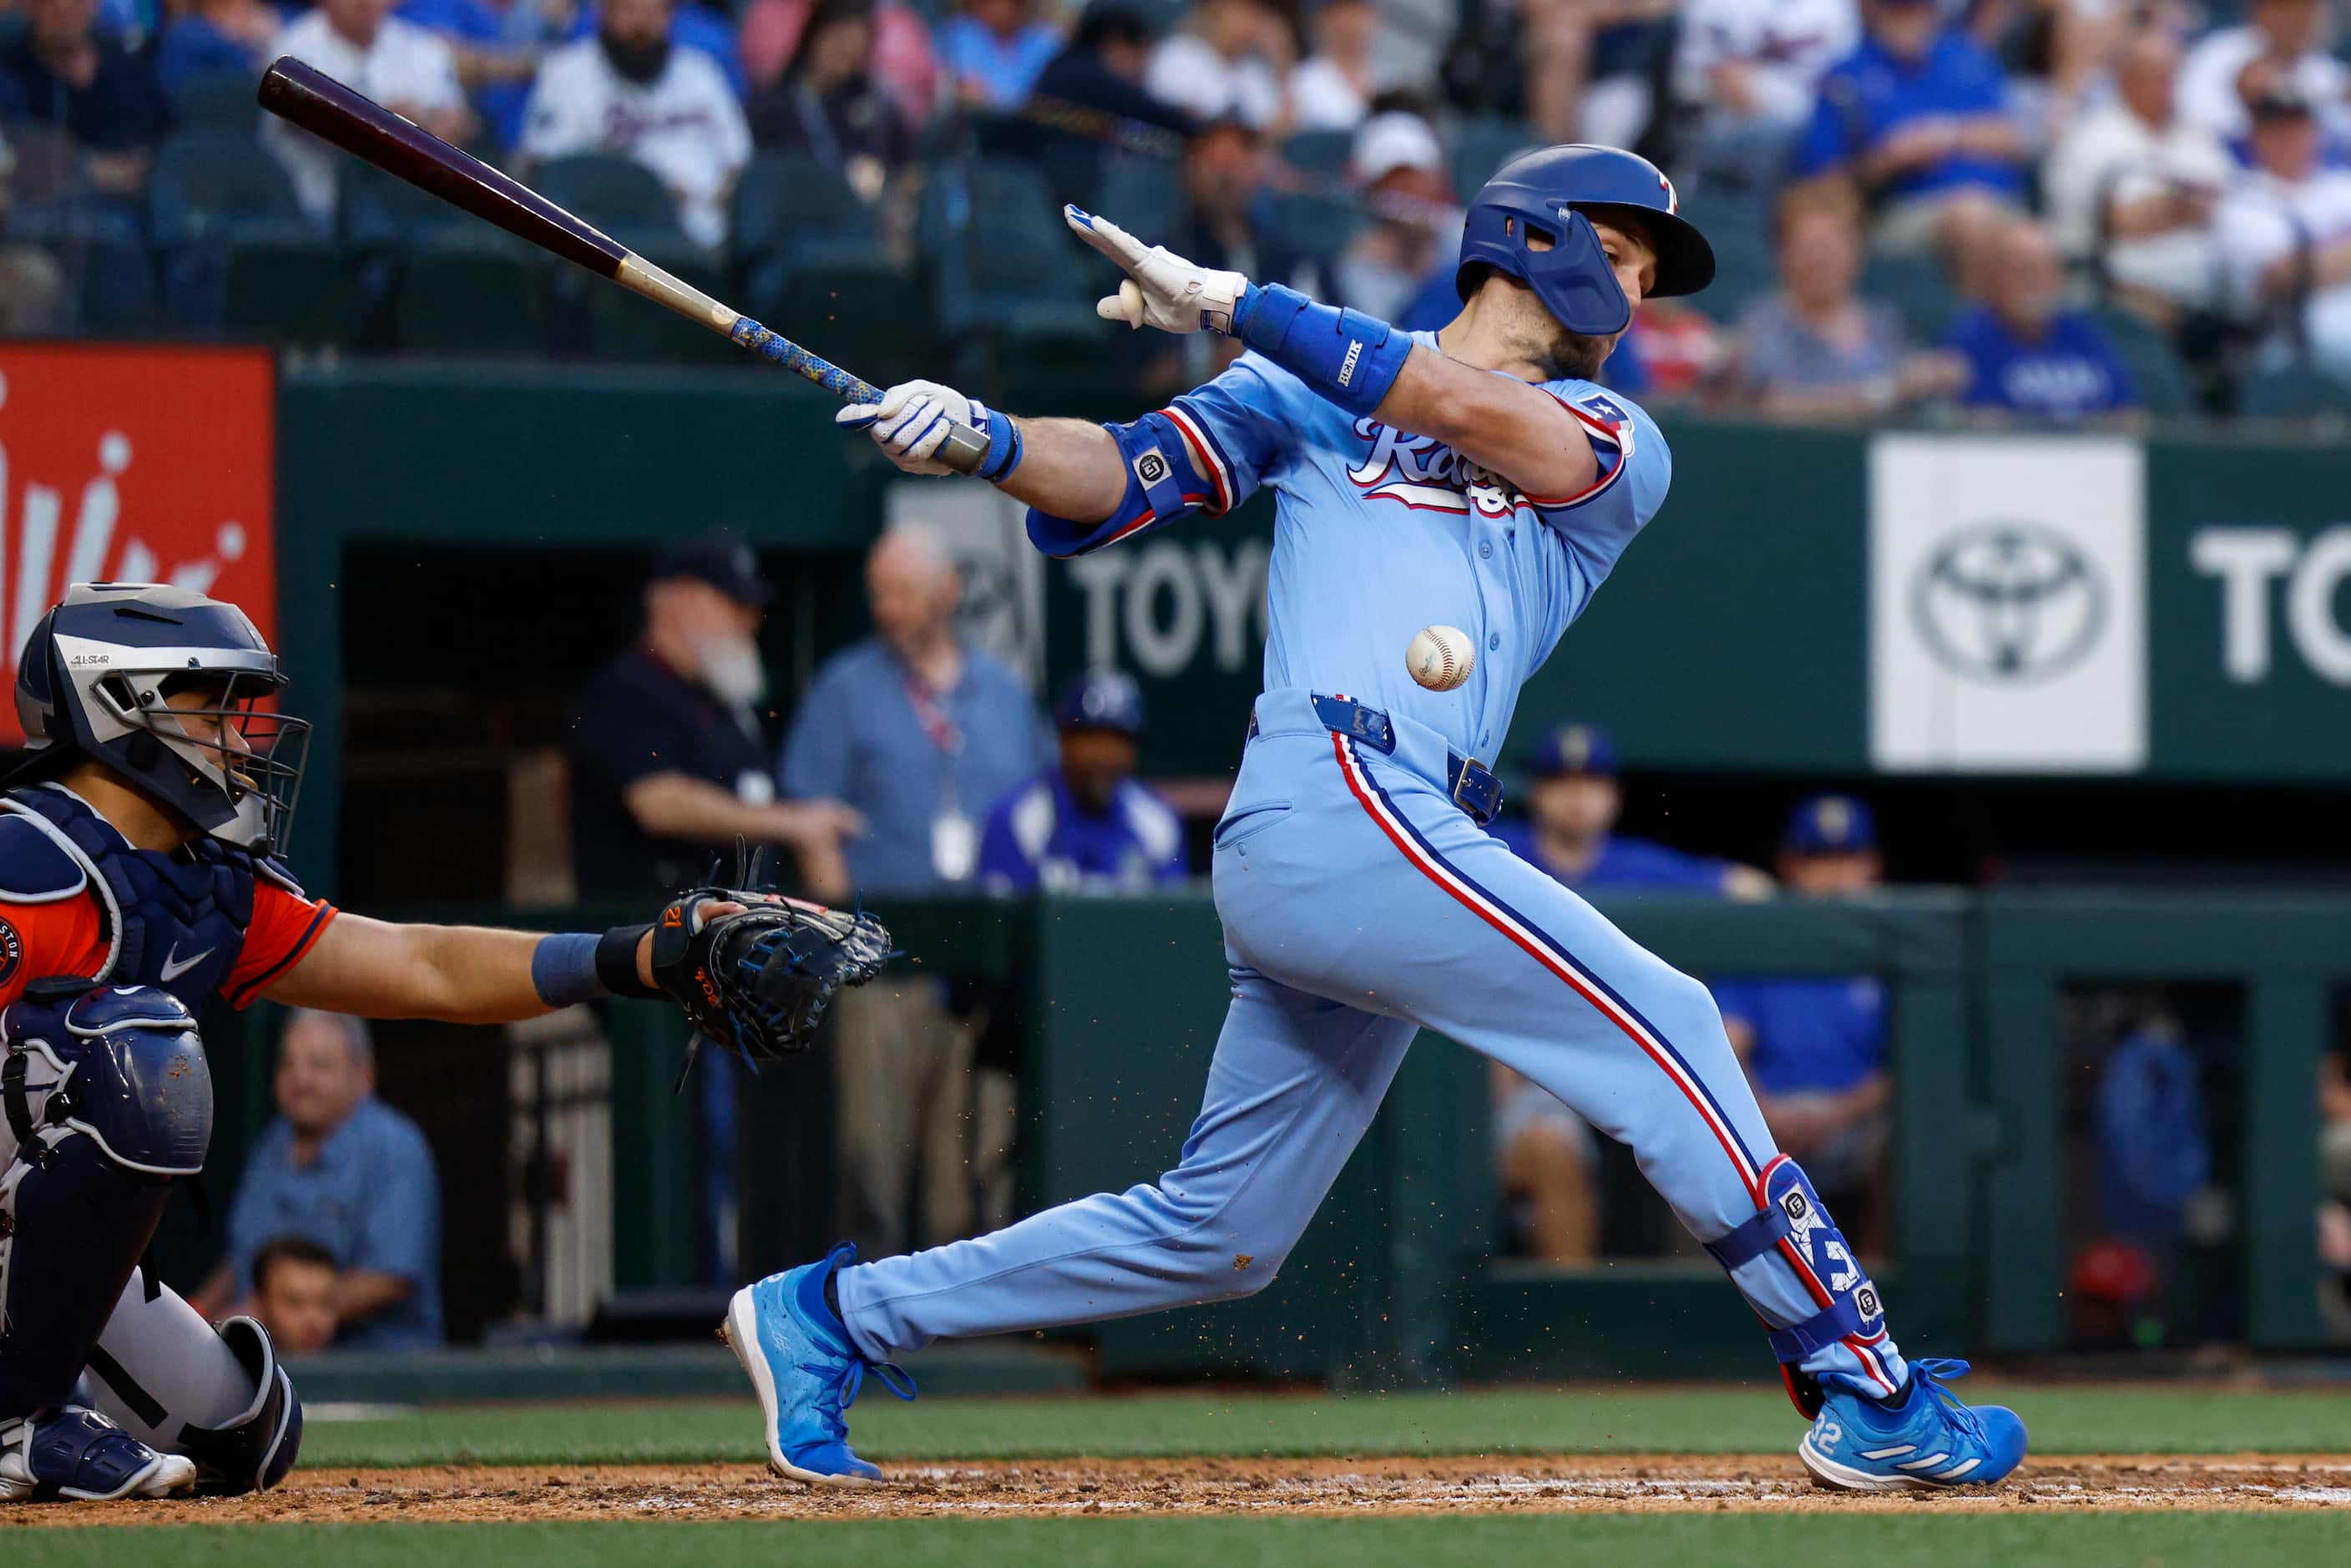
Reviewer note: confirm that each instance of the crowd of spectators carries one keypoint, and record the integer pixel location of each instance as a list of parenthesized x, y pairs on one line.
[(2187, 157)]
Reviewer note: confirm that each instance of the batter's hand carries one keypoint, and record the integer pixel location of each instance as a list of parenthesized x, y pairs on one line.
[(1162, 289), (913, 421)]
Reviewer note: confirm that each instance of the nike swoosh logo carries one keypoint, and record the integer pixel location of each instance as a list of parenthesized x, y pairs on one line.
[(174, 965)]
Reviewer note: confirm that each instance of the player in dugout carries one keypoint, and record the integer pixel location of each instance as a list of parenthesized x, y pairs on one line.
[(138, 878)]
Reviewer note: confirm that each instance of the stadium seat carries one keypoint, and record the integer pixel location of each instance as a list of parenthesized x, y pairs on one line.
[(377, 210), (1318, 152), (473, 290), (293, 292), (1144, 196), (786, 203), (110, 274), (219, 183), (619, 325), (2295, 393), (857, 311), (1317, 223), (1006, 264), (2155, 365), (1739, 226), (1915, 287), (617, 195), (1482, 146), (216, 100), (211, 191)]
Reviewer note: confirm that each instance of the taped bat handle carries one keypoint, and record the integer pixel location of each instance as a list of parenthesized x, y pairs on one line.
[(963, 449)]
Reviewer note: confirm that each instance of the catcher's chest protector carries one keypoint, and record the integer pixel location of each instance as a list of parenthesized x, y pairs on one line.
[(173, 921)]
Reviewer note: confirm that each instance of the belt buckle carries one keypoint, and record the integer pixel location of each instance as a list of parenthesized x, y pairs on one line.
[(1477, 813)]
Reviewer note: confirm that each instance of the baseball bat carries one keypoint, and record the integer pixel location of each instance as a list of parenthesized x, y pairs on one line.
[(365, 129)]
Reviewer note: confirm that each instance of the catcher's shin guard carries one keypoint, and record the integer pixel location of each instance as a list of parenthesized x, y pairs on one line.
[(109, 1099), (1791, 1223), (173, 1382)]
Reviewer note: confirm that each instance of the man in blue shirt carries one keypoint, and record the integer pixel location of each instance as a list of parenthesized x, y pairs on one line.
[(2029, 356), (1570, 828), (1815, 1046), (341, 1168), (1919, 117), (922, 733), (1087, 823)]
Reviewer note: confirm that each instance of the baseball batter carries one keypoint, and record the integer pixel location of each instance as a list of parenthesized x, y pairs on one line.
[(1475, 478)]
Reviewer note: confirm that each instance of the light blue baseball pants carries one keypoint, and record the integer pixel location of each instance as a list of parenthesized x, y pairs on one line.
[(1361, 904)]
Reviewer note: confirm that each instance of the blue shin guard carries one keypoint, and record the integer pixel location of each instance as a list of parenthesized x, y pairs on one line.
[(1791, 1222)]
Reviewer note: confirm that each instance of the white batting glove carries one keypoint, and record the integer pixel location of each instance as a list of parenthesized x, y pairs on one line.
[(1162, 289), (911, 421)]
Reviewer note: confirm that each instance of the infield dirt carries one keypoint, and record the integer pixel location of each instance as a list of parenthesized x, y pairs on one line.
[(1616, 1484)]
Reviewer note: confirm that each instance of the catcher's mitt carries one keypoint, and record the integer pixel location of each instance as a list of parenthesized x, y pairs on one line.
[(759, 979)]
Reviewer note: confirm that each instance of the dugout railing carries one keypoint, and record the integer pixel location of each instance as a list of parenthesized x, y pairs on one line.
[(1397, 1281)]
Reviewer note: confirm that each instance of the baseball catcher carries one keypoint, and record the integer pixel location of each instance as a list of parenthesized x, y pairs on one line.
[(137, 878)]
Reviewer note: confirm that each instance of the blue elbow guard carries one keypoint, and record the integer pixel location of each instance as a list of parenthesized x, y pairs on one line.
[(1348, 357), (1156, 476)]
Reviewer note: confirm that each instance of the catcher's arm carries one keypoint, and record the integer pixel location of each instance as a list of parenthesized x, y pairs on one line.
[(457, 974)]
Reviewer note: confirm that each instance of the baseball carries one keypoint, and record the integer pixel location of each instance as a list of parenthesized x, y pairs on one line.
[(1440, 657)]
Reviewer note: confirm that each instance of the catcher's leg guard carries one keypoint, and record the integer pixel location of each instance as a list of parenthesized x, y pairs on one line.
[(1791, 1224), (109, 1099), (219, 1397)]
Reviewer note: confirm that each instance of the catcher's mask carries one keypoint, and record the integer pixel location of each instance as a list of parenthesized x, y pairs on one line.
[(174, 692)]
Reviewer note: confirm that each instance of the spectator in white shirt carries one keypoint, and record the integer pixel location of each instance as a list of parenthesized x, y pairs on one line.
[(2285, 235), (361, 45), (1333, 89), (2287, 39), (1399, 165), (630, 91), (2133, 180), (1752, 68), (1232, 63)]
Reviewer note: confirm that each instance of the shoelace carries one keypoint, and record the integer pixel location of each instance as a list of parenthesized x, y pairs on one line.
[(1933, 1371), (846, 1380)]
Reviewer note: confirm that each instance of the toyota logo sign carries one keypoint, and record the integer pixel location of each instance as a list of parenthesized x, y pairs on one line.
[(2008, 603)]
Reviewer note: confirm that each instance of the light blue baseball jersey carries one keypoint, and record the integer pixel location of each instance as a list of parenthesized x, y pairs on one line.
[(1379, 533)]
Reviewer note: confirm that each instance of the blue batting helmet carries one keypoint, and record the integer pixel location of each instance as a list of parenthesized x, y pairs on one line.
[(1552, 195)]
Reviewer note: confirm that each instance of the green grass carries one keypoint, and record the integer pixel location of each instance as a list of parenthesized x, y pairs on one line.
[(1617, 1541), (2063, 1421)]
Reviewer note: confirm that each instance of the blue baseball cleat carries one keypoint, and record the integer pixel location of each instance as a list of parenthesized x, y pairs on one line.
[(1926, 1439), (80, 1454), (807, 1372)]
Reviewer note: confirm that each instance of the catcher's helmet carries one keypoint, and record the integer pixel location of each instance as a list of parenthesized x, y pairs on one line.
[(1547, 194), (94, 681)]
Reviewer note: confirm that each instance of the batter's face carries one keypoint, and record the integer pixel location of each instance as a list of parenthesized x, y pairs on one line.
[(1634, 259)]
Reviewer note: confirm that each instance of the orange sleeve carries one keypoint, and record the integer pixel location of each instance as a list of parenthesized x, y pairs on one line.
[(285, 925), (38, 940)]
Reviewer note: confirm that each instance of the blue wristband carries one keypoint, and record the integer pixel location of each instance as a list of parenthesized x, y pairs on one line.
[(1003, 435), (1348, 357), (563, 969)]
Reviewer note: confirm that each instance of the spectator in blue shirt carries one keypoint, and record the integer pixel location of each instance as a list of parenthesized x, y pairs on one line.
[(1087, 823), (1815, 1046), (342, 1169), (217, 38), (66, 72), (1919, 117), (922, 733), (1570, 830), (2029, 357), (995, 51)]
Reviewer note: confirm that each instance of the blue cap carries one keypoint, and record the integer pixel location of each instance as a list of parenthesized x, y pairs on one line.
[(1105, 699), (1830, 825), (1576, 748), (719, 559)]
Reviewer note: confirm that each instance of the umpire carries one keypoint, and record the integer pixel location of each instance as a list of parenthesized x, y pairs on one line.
[(670, 761)]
